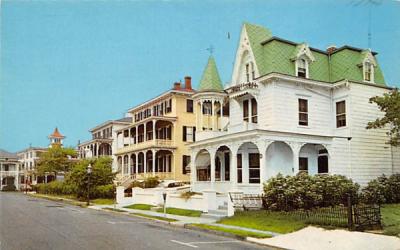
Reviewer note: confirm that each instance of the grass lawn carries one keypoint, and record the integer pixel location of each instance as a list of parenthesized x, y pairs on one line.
[(233, 231), (103, 201), (140, 206), (265, 221), (179, 211), (391, 219), (154, 217)]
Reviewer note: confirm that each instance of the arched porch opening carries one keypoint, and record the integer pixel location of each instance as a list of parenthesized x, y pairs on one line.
[(163, 161), (149, 161), (313, 159), (133, 135), (203, 165), (279, 158), (248, 163), (105, 149), (222, 163), (149, 130), (140, 162), (164, 130), (126, 167), (140, 136), (119, 163), (133, 164)]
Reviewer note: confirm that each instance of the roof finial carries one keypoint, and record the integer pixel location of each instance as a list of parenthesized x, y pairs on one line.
[(210, 49)]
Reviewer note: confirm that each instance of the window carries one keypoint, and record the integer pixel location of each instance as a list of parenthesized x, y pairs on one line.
[(302, 68), (367, 71), (189, 106), (303, 112), (239, 168), (254, 168), (188, 134), (253, 110), (246, 110), (253, 73), (207, 108), (185, 164), (340, 114), (303, 164), (247, 72), (168, 106)]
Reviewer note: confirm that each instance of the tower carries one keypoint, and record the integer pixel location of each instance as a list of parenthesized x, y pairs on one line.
[(56, 138)]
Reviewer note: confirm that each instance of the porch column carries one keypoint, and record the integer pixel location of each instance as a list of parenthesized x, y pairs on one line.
[(145, 163), (212, 152), (245, 166), (222, 170), (154, 160), (222, 114), (129, 136), (193, 172), (144, 130), (233, 167), (136, 135), (249, 103), (196, 113), (98, 150), (296, 152), (129, 165), (137, 163), (262, 148), (154, 132)]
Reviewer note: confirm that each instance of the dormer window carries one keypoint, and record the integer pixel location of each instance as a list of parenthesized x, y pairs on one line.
[(302, 68), (368, 72)]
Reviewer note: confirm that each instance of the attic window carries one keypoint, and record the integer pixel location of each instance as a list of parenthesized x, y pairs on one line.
[(368, 71), (247, 72), (302, 68)]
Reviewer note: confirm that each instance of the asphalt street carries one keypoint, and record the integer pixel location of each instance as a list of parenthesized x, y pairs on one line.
[(32, 223)]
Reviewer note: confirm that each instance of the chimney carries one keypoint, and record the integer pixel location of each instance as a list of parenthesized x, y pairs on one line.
[(177, 85), (188, 82), (331, 49)]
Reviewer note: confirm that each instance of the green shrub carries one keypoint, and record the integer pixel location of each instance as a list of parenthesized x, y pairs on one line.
[(151, 182), (55, 187), (382, 190), (104, 191), (304, 191), (9, 188)]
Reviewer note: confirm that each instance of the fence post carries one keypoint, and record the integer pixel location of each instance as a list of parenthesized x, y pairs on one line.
[(349, 213)]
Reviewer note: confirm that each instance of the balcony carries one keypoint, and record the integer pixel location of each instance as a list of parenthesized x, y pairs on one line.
[(243, 89), (158, 143)]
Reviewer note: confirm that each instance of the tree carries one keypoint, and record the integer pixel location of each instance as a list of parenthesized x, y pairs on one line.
[(56, 159), (101, 175), (389, 103)]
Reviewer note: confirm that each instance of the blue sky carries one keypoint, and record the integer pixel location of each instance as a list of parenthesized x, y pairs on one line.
[(76, 64)]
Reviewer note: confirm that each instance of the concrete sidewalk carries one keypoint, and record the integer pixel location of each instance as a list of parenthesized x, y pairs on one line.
[(311, 238)]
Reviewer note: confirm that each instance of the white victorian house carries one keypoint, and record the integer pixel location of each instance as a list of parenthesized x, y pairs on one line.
[(289, 108)]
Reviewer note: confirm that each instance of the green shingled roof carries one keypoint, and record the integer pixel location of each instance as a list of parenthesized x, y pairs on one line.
[(276, 55), (210, 79)]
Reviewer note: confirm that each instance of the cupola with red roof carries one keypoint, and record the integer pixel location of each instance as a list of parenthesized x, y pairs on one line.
[(56, 138)]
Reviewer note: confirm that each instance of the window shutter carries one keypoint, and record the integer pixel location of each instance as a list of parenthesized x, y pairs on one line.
[(194, 134), (184, 133)]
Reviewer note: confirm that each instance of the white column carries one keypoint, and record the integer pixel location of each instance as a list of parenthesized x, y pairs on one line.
[(196, 113), (245, 166), (129, 165), (212, 152), (144, 131), (222, 159), (193, 172), (129, 136), (145, 163), (222, 114), (137, 163), (136, 135), (154, 161), (233, 167), (154, 131), (98, 150)]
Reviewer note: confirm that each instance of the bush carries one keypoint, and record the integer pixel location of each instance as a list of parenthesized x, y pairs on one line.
[(304, 191), (9, 188), (104, 191), (55, 187), (382, 190), (151, 182)]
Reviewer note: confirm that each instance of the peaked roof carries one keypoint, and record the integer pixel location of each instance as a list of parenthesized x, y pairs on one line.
[(56, 134), (5, 154), (210, 79)]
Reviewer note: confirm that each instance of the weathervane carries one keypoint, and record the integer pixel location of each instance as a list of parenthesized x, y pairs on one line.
[(210, 49)]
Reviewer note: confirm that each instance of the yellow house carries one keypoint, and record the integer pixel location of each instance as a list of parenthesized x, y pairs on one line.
[(156, 143)]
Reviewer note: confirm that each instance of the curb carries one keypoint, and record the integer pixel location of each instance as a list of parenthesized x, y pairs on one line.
[(204, 230), (62, 200)]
